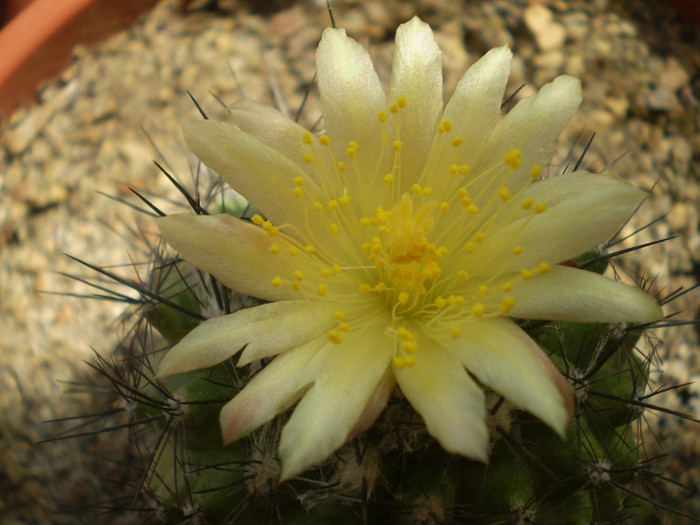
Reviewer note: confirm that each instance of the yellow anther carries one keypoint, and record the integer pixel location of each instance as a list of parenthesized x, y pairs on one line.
[(540, 207), (295, 286), (427, 191), (463, 170), (274, 249), (342, 166), (416, 188), (403, 298), (325, 274), (332, 205), (527, 203), (454, 169), (394, 108), (365, 221), (344, 200), (444, 207), (479, 237), (335, 336), (388, 178), (507, 287), (458, 300), (473, 210), (336, 269), (322, 289), (307, 138), (353, 145), (470, 247), (298, 275), (409, 347), (409, 360), (404, 334), (351, 153), (462, 275), (324, 139), (457, 141), (442, 251), (440, 302), (514, 158), (544, 268), (276, 281), (397, 145), (293, 251), (344, 327), (382, 116), (536, 171), (318, 206), (333, 228), (507, 305), (478, 310), (399, 362), (456, 331), (504, 193), (526, 274), (380, 287), (257, 219), (299, 181), (517, 250), (309, 249), (444, 126), (401, 101), (384, 229), (463, 193), (483, 290), (270, 229), (339, 316), (308, 158), (364, 288), (298, 192)]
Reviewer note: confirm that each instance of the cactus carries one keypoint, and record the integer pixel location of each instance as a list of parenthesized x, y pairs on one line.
[(394, 472)]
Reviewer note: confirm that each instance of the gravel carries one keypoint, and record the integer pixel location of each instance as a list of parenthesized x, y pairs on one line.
[(640, 69)]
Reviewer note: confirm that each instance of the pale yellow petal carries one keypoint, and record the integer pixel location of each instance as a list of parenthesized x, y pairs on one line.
[(260, 173), (352, 98), (272, 391), (234, 251), (448, 400), (531, 126), (475, 107), (376, 404), (583, 210), (417, 75), (273, 129), (345, 379), (263, 331), (568, 294), (503, 357)]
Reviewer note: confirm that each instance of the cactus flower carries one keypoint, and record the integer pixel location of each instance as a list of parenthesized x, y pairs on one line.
[(396, 248)]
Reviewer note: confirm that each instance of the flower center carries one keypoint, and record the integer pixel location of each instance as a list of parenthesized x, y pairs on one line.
[(368, 244)]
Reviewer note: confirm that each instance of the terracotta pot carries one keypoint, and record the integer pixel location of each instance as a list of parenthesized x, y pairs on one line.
[(37, 43)]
